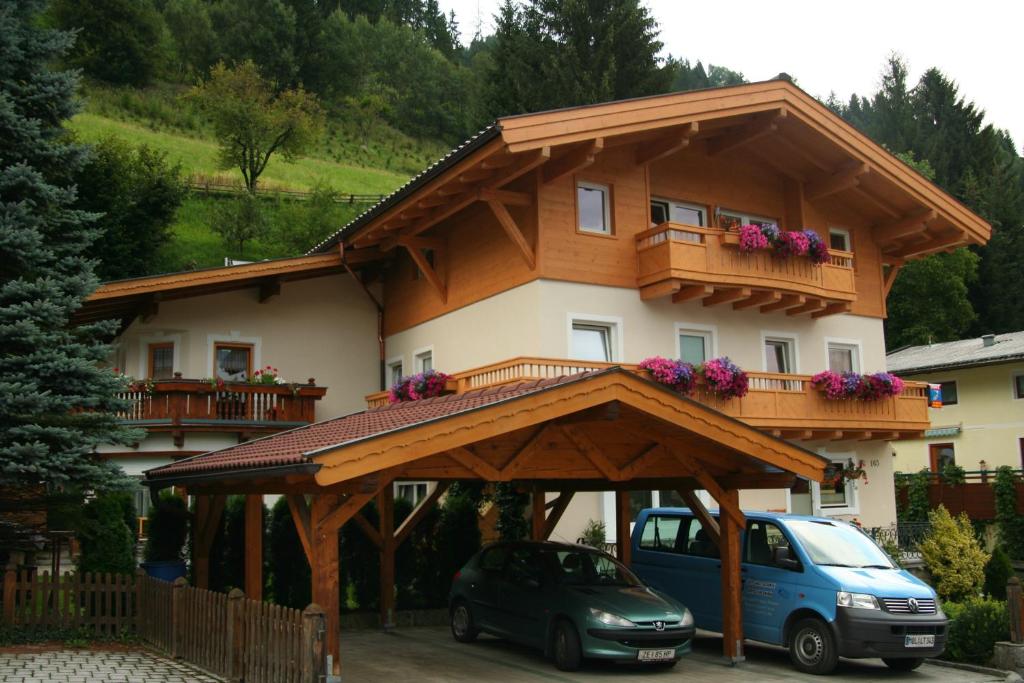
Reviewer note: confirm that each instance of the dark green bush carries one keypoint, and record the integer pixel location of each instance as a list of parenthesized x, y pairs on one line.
[(1011, 525), (512, 523), (106, 541), (167, 528), (290, 581), (975, 625), (998, 571)]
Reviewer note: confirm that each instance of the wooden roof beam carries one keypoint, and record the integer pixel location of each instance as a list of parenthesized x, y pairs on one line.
[(876, 202), (573, 161), (844, 178), (726, 294), (934, 245), (752, 131), (810, 306), (506, 197), (511, 228), (901, 228), (787, 301), (690, 292), (475, 174), (832, 309), (666, 145), (758, 299), (269, 289), (428, 271)]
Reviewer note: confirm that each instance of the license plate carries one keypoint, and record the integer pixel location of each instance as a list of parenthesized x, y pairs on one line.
[(919, 640), (656, 655)]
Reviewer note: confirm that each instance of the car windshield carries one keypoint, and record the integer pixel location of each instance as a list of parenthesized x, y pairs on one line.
[(838, 544), (588, 568)]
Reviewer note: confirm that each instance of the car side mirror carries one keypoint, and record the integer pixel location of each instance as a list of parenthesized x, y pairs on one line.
[(782, 557)]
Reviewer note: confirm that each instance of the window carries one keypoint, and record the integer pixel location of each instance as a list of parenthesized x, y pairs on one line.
[(161, 360), (412, 491), (395, 372), (949, 393), (940, 455), (698, 541), (839, 239), (761, 540), (732, 220), (232, 362), (695, 345), (424, 360), (1018, 386), (592, 341), (778, 355), (524, 568), (837, 495), (660, 534), (664, 210), (843, 357), (493, 559), (593, 207)]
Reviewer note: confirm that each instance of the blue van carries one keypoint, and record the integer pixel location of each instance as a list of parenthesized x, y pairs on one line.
[(820, 587)]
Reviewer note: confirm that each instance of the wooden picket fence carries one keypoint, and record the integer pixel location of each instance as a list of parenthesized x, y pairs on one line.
[(226, 634)]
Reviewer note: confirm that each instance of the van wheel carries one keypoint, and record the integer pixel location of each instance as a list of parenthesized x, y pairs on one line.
[(812, 648), (464, 628), (566, 646), (903, 663)]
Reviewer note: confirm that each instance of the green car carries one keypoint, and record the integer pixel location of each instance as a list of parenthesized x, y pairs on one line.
[(571, 601)]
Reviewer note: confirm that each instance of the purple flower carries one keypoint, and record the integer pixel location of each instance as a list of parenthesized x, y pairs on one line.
[(724, 378), (425, 384), (677, 374)]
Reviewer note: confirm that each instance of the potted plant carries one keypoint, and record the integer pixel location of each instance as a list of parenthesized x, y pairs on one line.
[(167, 528)]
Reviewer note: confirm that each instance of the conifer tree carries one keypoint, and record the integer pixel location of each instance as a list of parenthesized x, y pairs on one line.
[(56, 402)]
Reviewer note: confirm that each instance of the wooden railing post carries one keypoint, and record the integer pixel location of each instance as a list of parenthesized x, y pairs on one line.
[(177, 614), (1014, 607), (235, 634), (140, 608), (313, 630), (10, 583)]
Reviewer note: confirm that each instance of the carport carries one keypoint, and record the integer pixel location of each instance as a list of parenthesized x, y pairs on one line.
[(595, 431)]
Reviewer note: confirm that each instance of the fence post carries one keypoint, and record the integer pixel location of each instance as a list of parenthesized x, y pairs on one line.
[(140, 609), (177, 610), (235, 634), (313, 628), (10, 582), (1013, 606)]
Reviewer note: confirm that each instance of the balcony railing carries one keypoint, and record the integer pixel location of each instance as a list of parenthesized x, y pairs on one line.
[(705, 263), (785, 405), (187, 402)]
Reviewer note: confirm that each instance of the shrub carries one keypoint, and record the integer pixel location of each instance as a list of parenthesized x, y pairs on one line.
[(997, 572), (106, 541), (952, 474), (1011, 525), (975, 626), (953, 555), (290, 581), (458, 536), (918, 506), (167, 528), (512, 524), (595, 534)]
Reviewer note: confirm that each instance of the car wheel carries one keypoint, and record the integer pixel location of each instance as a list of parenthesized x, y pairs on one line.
[(566, 646), (903, 663), (812, 648), (464, 628)]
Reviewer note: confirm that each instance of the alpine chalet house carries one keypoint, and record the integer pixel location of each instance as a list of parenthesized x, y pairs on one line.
[(561, 243)]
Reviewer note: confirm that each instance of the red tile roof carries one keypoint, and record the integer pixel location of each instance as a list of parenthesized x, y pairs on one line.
[(295, 446)]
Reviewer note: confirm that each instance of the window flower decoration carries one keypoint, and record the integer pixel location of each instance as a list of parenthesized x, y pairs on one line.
[(724, 378), (784, 244), (421, 385), (142, 386), (792, 244), (850, 385), (752, 238), (677, 374), (267, 375), (721, 376)]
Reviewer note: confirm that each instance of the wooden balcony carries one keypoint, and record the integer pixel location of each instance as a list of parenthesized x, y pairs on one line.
[(180, 405), (690, 263), (788, 406)]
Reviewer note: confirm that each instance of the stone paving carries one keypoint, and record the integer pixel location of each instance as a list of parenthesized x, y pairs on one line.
[(85, 666)]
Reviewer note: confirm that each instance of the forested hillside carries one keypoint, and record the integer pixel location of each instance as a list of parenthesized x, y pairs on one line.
[(383, 86)]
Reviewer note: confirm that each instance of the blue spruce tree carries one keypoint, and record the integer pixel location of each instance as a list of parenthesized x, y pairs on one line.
[(56, 402)]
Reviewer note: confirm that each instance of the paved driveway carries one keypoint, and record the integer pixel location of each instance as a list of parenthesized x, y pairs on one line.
[(84, 666), (429, 655)]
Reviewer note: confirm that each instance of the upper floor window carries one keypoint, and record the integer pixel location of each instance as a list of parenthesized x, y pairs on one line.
[(839, 239), (843, 357), (424, 360), (395, 371), (593, 207), (949, 393), (779, 355), (695, 345), (592, 341), (412, 491), (665, 210), (1018, 386), (232, 361), (732, 220), (161, 360)]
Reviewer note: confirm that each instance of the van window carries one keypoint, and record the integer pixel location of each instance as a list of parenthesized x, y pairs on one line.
[(762, 538), (660, 533), (698, 542)]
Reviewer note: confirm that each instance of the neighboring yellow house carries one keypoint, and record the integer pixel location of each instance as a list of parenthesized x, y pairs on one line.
[(981, 422)]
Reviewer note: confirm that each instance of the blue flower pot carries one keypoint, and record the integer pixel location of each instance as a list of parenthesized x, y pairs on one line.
[(165, 570)]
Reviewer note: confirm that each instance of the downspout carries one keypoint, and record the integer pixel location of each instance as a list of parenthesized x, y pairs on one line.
[(380, 315)]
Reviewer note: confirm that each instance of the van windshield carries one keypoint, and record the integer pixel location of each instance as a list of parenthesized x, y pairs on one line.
[(837, 544)]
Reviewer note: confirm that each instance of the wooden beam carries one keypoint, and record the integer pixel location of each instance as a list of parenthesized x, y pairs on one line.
[(901, 228), (889, 278), (592, 452), (300, 516), (421, 510), (758, 299), (269, 289), (506, 197), (676, 449), (435, 243), (709, 523), (204, 529), (537, 520), (809, 306), (727, 294), (327, 514), (832, 309), (561, 504), (336, 517), (787, 301), (796, 434), (690, 292), (622, 519), (844, 178), (428, 272), (883, 206), (752, 131), (637, 464), (732, 584), (934, 245), (474, 463), (573, 160), (254, 547), (386, 513), (519, 459), (514, 233), (666, 145), (476, 174), (371, 533)]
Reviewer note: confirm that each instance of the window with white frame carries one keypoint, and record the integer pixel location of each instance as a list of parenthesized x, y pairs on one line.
[(1018, 385), (839, 239), (592, 341), (396, 370), (838, 497), (695, 345), (732, 220), (593, 208), (424, 360), (412, 491), (843, 357), (665, 210), (779, 354)]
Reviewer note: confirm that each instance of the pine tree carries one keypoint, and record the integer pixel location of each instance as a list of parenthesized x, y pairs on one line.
[(56, 402)]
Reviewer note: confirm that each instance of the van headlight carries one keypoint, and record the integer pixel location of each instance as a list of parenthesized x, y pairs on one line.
[(856, 600), (687, 618), (609, 619)]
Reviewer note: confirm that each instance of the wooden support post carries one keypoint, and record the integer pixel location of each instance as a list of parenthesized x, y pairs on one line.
[(732, 586), (325, 574), (386, 510), (205, 524), (560, 505), (622, 547), (537, 519), (313, 644), (1015, 607), (254, 546), (10, 584), (177, 611), (235, 634)]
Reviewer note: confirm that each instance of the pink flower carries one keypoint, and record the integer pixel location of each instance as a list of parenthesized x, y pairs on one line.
[(792, 244), (677, 374), (752, 238), (724, 378)]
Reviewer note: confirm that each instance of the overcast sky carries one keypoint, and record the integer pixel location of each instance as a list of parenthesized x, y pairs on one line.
[(841, 47)]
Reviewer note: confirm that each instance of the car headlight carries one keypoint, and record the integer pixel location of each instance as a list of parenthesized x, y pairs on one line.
[(610, 619), (856, 600), (687, 618)]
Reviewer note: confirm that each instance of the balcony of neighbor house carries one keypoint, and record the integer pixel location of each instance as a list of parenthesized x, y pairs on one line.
[(690, 263), (785, 405), (191, 405)]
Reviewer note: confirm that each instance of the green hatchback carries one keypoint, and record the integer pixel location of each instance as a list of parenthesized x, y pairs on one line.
[(571, 601)]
